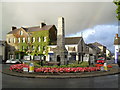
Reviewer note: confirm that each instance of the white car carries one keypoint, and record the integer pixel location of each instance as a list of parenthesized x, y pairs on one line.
[(13, 61)]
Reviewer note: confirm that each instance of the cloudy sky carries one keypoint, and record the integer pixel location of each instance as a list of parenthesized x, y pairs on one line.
[(96, 20)]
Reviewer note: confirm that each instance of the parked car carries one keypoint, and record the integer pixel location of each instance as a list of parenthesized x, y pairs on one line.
[(24, 61), (13, 61), (101, 60)]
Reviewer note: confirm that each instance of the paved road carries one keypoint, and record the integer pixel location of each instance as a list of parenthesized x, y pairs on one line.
[(94, 82), (110, 81)]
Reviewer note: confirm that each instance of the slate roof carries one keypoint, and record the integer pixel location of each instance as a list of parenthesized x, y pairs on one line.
[(117, 41), (14, 31), (32, 29), (93, 46), (70, 40), (46, 27)]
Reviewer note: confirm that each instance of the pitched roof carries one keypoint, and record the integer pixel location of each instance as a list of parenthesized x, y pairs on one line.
[(93, 46), (32, 29), (72, 40), (14, 31), (117, 41), (96, 44)]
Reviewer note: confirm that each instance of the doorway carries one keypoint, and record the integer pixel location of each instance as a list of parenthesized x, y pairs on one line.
[(58, 58)]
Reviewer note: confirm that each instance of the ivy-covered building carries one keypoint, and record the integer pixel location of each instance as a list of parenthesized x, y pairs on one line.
[(31, 41)]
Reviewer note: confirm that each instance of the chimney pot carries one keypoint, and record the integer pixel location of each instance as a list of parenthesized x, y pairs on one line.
[(13, 28), (116, 36), (42, 24)]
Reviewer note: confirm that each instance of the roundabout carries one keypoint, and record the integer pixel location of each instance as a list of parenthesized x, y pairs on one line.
[(62, 75)]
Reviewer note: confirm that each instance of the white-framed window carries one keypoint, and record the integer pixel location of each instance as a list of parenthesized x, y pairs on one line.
[(18, 40), (14, 40), (44, 48), (39, 48), (28, 39), (39, 39), (44, 39), (21, 32), (33, 39), (23, 40)]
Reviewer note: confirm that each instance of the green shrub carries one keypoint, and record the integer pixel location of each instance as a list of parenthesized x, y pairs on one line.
[(81, 64)]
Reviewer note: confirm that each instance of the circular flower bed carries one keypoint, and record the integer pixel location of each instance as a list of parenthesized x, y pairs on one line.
[(19, 68), (67, 70)]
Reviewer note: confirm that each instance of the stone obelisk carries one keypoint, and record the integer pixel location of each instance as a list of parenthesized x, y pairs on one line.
[(61, 40)]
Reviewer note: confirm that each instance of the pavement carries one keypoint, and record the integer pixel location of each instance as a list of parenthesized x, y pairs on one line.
[(111, 71)]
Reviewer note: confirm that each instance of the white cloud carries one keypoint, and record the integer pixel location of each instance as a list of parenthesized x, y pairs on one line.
[(103, 34)]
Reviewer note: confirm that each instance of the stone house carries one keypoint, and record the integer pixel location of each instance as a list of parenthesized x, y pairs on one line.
[(75, 47)]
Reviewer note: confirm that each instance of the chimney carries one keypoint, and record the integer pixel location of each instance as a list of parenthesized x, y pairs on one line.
[(116, 36), (42, 24), (13, 28)]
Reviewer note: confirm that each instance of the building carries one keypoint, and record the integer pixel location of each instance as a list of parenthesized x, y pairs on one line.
[(102, 49), (45, 42), (31, 41), (117, 48), (108, 54), (93, 52), (75, 47)]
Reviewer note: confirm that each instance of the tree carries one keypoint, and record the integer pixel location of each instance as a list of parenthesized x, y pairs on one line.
[(117, 3)]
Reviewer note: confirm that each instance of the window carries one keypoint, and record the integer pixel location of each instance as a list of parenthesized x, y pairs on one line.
[(33, 39), (71, 49), (44, 39), (39, 39), (44, 48), (14, 40), (21, 32), (23, 40), (39, 48), (33, 47), (10, 40), (18, 40), (28, 39)]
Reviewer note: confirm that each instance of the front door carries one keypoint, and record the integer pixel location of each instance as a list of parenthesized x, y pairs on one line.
[(58, 58)]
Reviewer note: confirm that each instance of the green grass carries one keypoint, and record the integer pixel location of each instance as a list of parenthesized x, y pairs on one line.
[(81, 64)]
